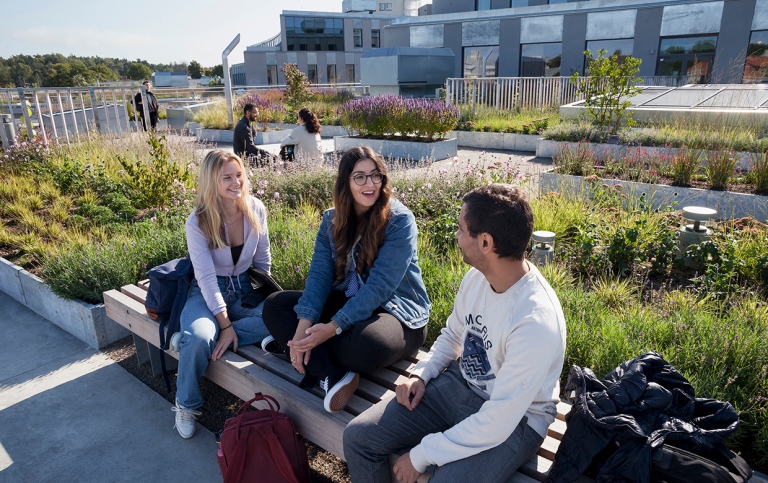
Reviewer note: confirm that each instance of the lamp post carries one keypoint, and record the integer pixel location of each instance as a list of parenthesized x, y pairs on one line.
[(227, 81)]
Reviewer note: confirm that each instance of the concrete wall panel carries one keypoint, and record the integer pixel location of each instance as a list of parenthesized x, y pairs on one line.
[(646, 44), (452, 6), (430, 36), (452, 40), (509, 48), (480, 33), (574, 33), (396, 37), (611, 25), (534, 30), (731, 53), (692, 18)]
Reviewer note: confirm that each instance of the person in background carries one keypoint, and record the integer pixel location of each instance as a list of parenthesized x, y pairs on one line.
[(152, 106), (305, 137), (481, 417), (245, 133), (226, 235), (364, 305)]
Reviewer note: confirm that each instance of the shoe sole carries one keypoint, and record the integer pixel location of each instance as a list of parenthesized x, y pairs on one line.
[(339, 395)]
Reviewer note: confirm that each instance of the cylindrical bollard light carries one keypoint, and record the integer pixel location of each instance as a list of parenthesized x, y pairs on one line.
[(694, 229), (543, 247)]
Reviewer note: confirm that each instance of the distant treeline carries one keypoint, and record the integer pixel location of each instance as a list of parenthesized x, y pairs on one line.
[(56, 70)]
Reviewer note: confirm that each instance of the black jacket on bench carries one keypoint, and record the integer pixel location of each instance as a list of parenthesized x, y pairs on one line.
[(631, 412)]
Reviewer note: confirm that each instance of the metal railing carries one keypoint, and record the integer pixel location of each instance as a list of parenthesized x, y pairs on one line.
[(506, 93), (63, 114), (273, 42)]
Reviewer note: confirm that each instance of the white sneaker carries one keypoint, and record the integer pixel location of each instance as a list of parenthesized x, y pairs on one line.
[(175, 341), (185, 420), (338, 391), (270, 345)]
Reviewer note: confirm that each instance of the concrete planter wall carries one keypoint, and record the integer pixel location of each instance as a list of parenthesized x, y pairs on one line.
[(87, 322), (215, 135), (326, 131), (410, 150), (728, 205), (496, 140), (546, 148)]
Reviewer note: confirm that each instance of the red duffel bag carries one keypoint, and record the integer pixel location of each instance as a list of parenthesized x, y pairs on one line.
[(262, 445)]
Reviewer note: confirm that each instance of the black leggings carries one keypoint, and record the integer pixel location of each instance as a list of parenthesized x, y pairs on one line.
[(370, 344)]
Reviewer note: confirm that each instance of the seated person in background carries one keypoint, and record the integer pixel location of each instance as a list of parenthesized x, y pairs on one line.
[(481, 418), (306, 138), (244, 135), (226, 235), (364, 306)]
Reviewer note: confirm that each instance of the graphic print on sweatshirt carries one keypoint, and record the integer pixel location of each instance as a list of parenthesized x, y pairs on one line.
[(474, 357)]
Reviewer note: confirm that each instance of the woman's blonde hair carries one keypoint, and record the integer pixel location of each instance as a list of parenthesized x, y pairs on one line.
[(208, 206)]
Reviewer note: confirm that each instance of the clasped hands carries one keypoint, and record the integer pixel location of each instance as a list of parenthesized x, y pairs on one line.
[(306, 338)]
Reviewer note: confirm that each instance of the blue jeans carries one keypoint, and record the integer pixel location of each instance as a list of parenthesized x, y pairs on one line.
[(200, 330), (388, 427)]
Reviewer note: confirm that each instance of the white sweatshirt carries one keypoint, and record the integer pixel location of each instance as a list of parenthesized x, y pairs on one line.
[(511, 347)]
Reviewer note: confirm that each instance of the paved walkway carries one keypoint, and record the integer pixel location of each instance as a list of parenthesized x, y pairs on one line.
[(68, 413)]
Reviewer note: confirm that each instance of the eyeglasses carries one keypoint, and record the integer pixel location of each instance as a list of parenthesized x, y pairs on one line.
[(360, 179)]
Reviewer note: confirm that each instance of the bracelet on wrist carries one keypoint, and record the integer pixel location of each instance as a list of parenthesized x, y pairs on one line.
[(222, 329)]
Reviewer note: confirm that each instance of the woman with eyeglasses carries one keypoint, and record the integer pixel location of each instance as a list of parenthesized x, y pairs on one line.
[(364, 305)]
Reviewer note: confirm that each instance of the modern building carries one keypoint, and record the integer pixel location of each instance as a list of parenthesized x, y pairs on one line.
[(716, 41), (722, 41), (326, 46)]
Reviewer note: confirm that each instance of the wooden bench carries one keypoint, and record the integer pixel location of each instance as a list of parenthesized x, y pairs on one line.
[(250, 370)]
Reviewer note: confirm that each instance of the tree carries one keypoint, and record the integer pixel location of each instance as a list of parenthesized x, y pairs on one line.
[(609, 81), (195, 70), (217, 70), (138, 71), (296, 83)]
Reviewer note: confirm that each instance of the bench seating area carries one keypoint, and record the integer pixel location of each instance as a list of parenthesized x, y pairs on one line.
[(250, 370)]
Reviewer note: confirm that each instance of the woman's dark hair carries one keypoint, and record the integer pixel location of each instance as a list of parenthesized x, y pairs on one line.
[(310, 120), (371, 225)]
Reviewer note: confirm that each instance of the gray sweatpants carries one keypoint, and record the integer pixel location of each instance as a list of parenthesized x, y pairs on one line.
[(388, 427)]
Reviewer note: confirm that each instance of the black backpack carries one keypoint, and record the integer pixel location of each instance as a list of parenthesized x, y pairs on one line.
[(169, 286), (671, 464)]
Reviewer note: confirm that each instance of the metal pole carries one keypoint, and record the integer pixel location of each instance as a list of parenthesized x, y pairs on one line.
[(72, 111), (63, 117), (40, 119), (94, 107), (27, 118), (50, 115), (227, 80)]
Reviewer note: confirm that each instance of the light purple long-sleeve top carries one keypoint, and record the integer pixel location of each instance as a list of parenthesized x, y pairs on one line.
[(210, 263)]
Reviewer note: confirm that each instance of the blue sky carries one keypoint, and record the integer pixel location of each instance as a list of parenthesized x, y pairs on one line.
[(159, 31)]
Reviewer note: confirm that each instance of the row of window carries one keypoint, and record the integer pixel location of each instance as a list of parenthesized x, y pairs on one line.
[(385, 7), (692, 56), (486, 4), (318, 34), (331, 77)]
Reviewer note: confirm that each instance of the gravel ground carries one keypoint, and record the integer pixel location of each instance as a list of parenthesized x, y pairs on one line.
[(219, 406)]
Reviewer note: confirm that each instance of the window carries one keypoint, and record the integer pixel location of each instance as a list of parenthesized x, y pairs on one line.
[(481, 61), (375, 38), (687, 56), (358, 36), (312, 73), (351, 73), (314, 33), (385, 7), (519, 3), (557, 1), (619, 47), (482, 5), (540, 60), (272, 75), (332, 74), (756, 67)]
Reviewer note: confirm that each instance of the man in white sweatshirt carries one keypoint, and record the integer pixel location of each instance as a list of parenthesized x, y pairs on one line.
[(481, 417)]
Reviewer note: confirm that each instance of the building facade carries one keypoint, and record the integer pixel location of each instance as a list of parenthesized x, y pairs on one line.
[(724, 41), (713, 41)]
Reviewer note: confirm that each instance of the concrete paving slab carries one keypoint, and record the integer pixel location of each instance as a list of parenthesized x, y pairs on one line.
[(74, 415)]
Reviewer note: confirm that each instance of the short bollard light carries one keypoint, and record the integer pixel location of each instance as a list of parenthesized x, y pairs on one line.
[(543, 247), (695, 228)]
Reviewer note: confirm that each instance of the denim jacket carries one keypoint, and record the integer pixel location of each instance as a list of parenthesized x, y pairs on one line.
[(393, 282)]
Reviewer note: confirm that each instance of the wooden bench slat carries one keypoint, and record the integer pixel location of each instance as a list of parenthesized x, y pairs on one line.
[(557, 429), (136, 293)]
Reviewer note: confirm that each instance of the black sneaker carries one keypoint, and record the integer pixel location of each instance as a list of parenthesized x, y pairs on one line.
[(338, 390), (269, 344)]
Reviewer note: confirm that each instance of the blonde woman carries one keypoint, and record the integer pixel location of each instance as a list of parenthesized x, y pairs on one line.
[(226, 235)]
